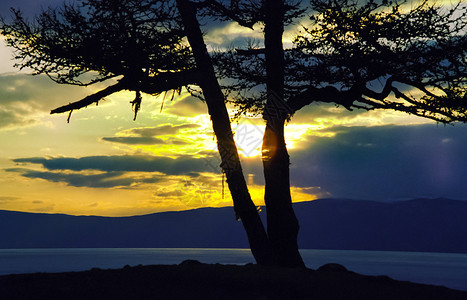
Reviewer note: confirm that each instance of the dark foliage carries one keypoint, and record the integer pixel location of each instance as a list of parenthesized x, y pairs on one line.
[(366, 55), (138, 42), (111, 38), (247, 13)]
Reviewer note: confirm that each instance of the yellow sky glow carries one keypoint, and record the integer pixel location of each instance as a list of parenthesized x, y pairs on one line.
[(52, 136), (163, 128)]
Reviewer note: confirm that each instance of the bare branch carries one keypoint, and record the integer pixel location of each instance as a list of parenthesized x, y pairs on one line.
[(94, 98), (327, 94), (383, 94), (234, 13), (251, 51), (151, 85)]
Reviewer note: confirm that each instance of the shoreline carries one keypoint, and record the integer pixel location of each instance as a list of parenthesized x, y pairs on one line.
[(194, 280)]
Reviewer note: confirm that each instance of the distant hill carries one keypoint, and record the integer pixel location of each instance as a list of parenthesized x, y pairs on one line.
[(425, 225)]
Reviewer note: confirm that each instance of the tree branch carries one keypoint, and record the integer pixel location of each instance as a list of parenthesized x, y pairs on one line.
[(326, 94), (412, 109), (383, 94), (233, 14), (150, 85), (166, 81), (250, 51), (94, 98)]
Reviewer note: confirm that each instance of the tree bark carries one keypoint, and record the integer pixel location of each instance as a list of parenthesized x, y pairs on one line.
[(244, 207), (282, 224)]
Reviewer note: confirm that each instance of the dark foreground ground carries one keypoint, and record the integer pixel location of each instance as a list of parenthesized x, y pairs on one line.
[(193, 280)]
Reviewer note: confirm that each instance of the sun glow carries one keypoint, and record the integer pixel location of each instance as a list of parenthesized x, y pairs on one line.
[(248, 138), (249, 132)]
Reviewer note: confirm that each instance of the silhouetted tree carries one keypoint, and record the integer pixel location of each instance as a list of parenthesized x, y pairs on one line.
[(358, 54), (140, 46), (366, 55)]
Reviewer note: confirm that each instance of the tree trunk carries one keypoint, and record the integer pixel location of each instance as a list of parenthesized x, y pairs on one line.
[(281, 220), (282, 223), (243, 205)]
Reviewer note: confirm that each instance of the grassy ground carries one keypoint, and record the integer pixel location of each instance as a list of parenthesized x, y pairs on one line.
[(193, 280)]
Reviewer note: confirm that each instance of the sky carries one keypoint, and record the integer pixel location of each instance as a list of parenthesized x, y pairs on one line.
[(104, 163)]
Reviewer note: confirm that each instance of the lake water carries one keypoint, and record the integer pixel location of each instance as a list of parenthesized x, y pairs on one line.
[(433, 268)]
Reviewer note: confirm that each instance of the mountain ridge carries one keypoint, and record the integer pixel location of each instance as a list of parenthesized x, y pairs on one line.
[(424, 225)]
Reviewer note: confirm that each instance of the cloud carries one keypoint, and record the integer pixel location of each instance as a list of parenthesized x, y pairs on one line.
[(188, 107), (166, 129), (11, 118), (147, 135), (386, 162), (106, 180), (39, 92), (134, 140), (24, 99), (204, 190), (230, 34), (6, 199), (103, 180), (377, 163), (177, 193), (126, 163)]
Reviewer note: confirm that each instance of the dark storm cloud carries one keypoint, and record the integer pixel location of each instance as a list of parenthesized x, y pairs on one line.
[(127, 163), (105, 180), (115, 170), (387, 162), (378, 163)]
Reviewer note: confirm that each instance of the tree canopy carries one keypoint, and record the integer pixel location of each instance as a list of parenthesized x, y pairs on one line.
[(370, 55), (138, 43), (367, 56)]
